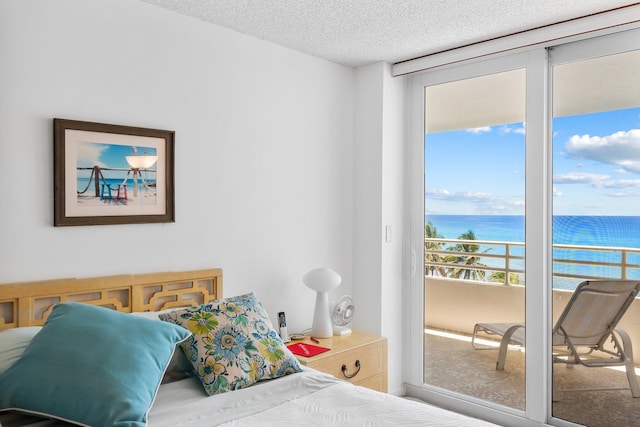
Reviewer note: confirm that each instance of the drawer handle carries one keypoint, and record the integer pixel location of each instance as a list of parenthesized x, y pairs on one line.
[(349, 376)]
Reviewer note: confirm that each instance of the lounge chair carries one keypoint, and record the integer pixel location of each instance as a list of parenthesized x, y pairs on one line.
[(588, 321)]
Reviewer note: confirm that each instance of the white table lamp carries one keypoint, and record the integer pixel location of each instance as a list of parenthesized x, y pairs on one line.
[(322, 280)]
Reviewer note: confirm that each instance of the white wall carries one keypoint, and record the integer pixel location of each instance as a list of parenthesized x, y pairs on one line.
[(367, 217), (378, 196), (264, 154), (392, 216)]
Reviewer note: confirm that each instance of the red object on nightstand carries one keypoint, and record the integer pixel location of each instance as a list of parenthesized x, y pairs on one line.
[(306, 350)]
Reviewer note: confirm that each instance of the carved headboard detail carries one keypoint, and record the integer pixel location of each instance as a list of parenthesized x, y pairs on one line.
[(29, 303)]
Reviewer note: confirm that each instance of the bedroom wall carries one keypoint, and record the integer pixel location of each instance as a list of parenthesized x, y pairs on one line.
[(264, 148), (378, 209)]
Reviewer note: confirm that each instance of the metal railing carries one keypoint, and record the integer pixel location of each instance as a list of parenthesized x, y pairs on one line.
[(503, 262)]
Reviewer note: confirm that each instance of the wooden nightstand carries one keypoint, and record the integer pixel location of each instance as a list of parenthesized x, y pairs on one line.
[(358, 358)]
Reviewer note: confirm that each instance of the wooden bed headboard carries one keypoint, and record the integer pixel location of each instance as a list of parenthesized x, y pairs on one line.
[(29, 303)]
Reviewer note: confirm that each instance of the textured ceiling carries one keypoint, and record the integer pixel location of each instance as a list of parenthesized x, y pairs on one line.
[(359, 32)]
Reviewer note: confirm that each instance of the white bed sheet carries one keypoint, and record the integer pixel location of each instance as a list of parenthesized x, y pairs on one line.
[(184, 403), (310, 398)]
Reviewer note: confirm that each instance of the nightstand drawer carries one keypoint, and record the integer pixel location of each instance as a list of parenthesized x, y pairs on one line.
[(355, 365), (364, 357), (377, 382)]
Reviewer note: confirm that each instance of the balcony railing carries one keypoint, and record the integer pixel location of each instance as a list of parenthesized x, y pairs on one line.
[(503, 262)]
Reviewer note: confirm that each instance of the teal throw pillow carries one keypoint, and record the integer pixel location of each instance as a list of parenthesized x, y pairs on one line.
[(91, 366)]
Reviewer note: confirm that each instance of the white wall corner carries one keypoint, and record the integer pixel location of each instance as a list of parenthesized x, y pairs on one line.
[(378, 189)]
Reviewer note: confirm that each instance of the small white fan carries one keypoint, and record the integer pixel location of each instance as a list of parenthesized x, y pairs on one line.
[(341, 315)]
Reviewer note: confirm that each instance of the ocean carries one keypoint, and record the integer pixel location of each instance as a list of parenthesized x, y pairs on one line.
[(609, 231), (618, 231), (83, 183)]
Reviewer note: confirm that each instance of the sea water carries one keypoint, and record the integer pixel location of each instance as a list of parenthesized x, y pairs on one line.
[(609, 231), (88, 186)]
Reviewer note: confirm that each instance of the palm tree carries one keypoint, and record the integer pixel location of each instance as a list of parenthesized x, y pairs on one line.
[(467, 271), (499, 277), (430, 231)]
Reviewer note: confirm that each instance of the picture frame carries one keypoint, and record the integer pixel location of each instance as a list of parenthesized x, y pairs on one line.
[(112, 174)]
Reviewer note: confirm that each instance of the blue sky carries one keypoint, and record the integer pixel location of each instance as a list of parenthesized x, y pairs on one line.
[(90, 154), (596, 167)]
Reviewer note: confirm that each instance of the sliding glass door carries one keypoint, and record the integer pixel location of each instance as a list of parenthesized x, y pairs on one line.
[(474, 229), (525, 181), (596, 219)]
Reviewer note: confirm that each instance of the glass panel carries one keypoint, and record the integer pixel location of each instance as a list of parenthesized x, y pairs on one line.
[(596, 223), (474, 235)]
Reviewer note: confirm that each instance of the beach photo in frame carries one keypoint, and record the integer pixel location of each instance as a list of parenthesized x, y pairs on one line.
[(112, 174)]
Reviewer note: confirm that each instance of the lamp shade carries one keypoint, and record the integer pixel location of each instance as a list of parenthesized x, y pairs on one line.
[(141, 162), (322, 280)]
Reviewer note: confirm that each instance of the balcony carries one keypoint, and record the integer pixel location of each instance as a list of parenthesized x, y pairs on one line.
[(495, 292), (476, 300)]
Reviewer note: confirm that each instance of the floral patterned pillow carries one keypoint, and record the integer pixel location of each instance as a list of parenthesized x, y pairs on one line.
[(233, 344)]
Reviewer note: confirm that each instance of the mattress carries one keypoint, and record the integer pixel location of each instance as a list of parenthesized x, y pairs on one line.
[(310, 398)]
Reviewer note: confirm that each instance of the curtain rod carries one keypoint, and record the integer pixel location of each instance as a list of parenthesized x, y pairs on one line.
[(614, 19)]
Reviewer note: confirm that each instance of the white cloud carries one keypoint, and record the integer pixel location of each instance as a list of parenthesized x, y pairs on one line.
[(620, 148), (579, 178), (622, 194), (438, 194), (482, 129), (595, 180), (473, 196), (481, 202), (622, 183), (88, 154), (504, 130), (557, 192)]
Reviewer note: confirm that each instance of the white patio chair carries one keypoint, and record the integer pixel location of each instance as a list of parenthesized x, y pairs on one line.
[(579, 336)]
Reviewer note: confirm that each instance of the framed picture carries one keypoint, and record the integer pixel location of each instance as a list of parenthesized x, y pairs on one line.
[(112, 174)]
